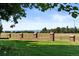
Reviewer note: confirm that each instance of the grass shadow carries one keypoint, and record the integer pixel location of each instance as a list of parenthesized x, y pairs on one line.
[(30, 48)]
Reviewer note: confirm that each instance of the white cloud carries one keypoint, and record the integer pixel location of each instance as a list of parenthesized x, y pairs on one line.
[(60, 18)]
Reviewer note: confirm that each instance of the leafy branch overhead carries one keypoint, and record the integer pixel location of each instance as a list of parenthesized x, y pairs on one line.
[(17, 10)]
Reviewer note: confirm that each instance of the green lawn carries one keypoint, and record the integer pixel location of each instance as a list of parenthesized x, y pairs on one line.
[(38, 48)]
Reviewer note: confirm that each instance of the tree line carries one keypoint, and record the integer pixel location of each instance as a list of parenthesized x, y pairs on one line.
[(18, 31), (61, 30), (45, 30)]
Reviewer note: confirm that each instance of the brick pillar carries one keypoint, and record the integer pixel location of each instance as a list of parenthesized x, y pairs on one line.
[(72, 38), (52, 36), (35, 35)]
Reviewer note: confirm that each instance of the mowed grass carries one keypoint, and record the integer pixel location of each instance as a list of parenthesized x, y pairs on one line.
[(38, 48)]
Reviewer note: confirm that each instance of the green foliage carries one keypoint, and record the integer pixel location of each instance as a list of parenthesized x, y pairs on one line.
[(14, 10), (44, 30), (1, 28), (74, 14), (61, 30), (17, 10), (18, 31), (58, 30), (75, 8)]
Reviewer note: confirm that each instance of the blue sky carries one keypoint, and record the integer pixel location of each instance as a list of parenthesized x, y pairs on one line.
[(36, 20)]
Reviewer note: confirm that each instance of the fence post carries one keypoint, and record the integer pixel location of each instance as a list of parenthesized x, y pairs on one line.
[(9, 35), (35, 34), (52, 36), (21, 34), (72, 37)]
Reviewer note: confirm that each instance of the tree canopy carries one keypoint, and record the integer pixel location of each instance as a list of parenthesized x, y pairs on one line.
[(17, 10), (60, 30)]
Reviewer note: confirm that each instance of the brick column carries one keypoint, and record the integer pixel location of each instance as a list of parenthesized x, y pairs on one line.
[(52, 36), (35, 35)]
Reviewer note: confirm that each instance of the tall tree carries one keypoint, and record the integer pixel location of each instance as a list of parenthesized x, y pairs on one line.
[(44, 30), (63, 30), (1, 28), (75, 29), (58, 30), (67, 29)]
